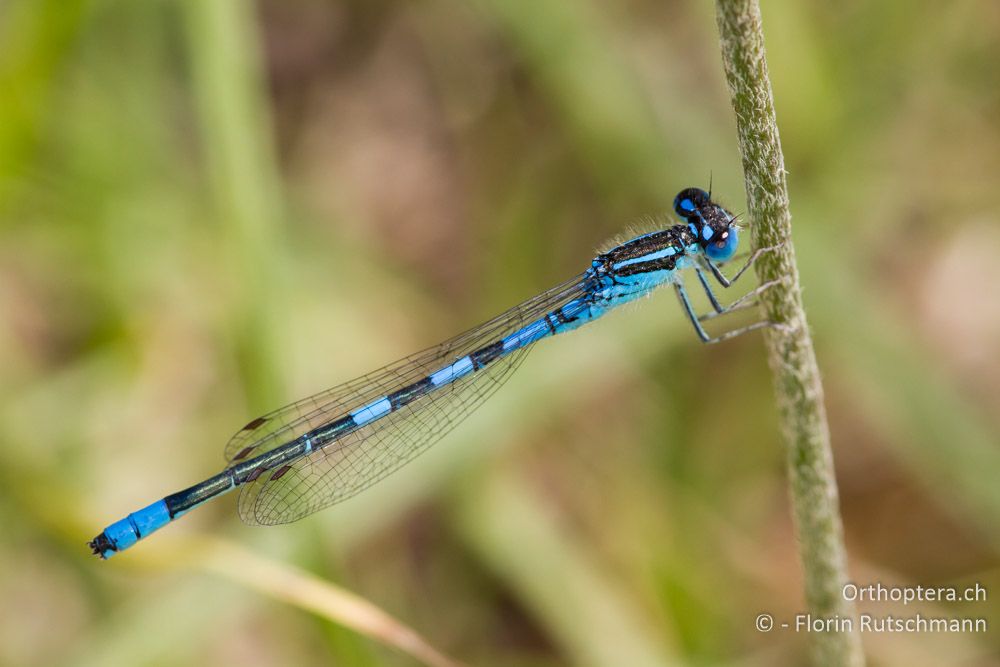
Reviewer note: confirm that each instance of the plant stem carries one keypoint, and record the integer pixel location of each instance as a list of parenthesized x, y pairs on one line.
[(813, 485)]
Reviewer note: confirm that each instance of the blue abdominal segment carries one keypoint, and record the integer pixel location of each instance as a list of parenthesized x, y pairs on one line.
[(122, 534), (372, 411), (451, 373)]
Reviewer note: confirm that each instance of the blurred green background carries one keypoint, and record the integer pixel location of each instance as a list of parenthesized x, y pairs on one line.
[(211, 209)]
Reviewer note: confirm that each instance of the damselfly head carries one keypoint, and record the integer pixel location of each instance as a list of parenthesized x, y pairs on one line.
[(714, 226), (723, 245), (689, 201)]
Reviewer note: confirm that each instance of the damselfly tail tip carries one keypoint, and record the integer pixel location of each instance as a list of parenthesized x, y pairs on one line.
[(101, 546)]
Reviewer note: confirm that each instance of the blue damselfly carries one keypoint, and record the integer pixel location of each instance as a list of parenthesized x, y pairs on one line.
[(328, 447)]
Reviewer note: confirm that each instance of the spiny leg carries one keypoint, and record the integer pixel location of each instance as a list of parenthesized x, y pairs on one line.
[(702, 334), (686, 305), (726, 282), (708, 290), (742, 256), (742, 330), (744, 302)]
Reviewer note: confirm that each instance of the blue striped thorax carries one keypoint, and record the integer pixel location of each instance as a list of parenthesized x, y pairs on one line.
[(710, 229)]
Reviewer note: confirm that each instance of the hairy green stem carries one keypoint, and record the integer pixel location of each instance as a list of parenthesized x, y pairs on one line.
[(813, 486)]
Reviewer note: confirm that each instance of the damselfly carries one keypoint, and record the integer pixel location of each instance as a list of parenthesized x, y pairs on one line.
[(323, 449)]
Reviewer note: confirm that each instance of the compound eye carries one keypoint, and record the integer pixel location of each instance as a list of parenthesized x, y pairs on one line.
[(689, 200), (724, 247)]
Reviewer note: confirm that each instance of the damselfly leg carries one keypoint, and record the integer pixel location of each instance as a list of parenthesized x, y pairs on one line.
[(727, 282), (719, 308), (702, 334), (748, 300), (745, 301)]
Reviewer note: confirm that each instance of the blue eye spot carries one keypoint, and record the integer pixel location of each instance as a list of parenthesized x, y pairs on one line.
[(706, 232), (687, 204), (722, 250)]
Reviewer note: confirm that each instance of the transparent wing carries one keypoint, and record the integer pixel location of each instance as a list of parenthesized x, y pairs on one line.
[(291, 421), (358, 459), (361, 458)]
